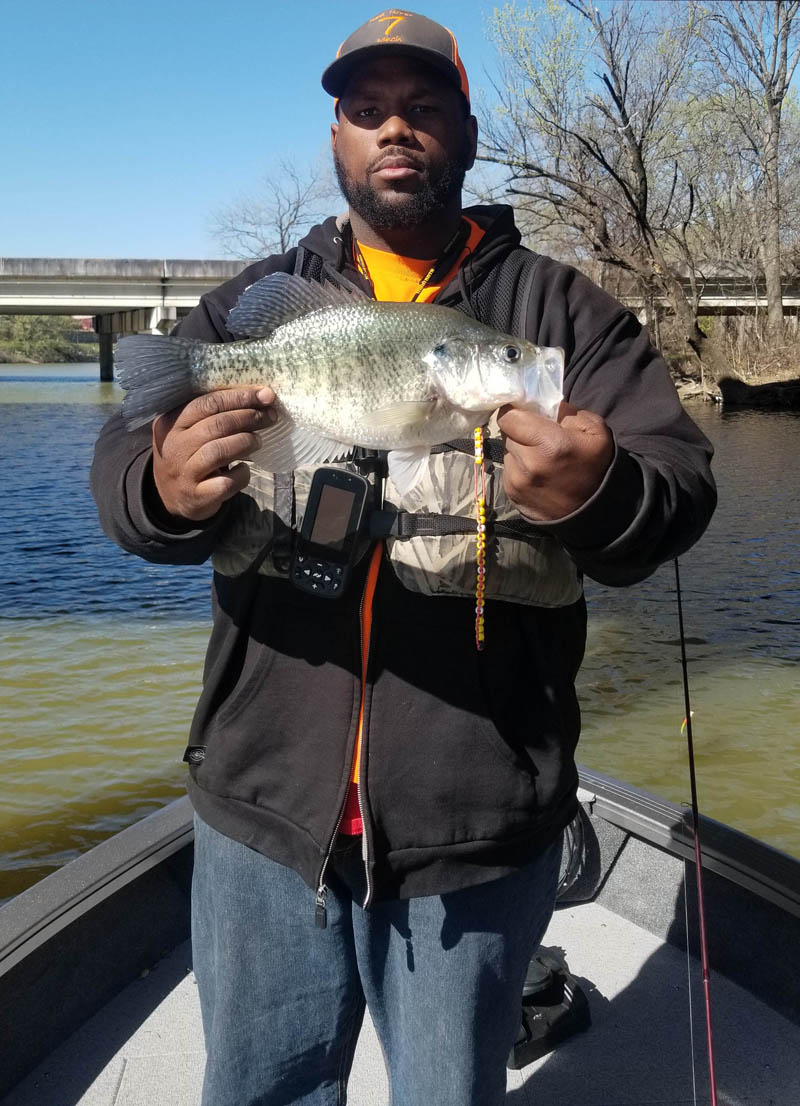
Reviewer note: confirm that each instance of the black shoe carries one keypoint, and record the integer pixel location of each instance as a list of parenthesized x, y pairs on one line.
[(553, 1008)]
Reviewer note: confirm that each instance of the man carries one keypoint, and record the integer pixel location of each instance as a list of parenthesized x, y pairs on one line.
[(380, 805)]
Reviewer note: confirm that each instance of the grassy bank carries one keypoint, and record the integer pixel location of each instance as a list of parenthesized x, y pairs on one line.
[(44, 339), (50, 355), (742, 339)]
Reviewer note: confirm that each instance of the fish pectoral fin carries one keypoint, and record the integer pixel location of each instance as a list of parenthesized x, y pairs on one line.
[(407, 467), (396, 415), (286, 446), (280, 298)]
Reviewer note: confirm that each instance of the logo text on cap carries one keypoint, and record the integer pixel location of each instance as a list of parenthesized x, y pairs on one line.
[(391, 18)]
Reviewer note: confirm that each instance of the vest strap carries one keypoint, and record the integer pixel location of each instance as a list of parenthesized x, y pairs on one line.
[(492, 448), (283, 537), (408, 524)]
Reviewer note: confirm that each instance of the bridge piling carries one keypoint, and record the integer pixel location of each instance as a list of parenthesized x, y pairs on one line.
[(106, 341)]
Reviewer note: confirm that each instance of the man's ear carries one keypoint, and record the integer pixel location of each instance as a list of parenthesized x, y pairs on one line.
[(334, 132), (472, 139)]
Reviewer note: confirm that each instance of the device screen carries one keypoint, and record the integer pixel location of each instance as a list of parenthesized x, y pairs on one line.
[(333, 516)]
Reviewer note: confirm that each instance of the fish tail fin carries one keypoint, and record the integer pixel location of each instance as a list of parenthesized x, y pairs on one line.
[(156, 372)]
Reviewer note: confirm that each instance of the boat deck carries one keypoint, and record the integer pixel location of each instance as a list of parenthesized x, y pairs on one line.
[(145, 1048)]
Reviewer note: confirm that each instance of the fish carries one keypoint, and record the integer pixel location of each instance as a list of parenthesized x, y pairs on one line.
[(347, 371)]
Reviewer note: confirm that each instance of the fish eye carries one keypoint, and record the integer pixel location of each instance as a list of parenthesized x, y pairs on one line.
[(512, 353)]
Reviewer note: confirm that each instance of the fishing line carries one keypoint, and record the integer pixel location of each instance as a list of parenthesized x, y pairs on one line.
[(697, 851)]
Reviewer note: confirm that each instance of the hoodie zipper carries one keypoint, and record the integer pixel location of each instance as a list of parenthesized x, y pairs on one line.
[(320, 910), (338, 279), (365, 627)]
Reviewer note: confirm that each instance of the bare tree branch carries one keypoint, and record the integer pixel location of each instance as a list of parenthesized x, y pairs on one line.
[(755, 58), (290, 200)]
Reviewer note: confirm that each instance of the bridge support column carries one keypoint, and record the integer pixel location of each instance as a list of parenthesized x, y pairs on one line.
[(106, 356), (145, 320), (103, 325)]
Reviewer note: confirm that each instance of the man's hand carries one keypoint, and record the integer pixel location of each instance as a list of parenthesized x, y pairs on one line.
[(552, 468), (194, 445)]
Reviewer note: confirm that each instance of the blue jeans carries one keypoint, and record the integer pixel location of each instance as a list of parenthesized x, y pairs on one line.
[(283, 1001)]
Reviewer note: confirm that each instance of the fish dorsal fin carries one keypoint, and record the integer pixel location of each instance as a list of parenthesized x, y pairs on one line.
[(281, 297), (286, 446)]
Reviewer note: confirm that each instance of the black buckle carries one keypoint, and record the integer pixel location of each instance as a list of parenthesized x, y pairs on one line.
[(369, 460)]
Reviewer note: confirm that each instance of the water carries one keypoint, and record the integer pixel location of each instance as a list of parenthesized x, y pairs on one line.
[(742, 621), (101, 654)]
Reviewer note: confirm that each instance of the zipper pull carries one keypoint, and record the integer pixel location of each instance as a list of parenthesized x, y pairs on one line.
[(320, 913)]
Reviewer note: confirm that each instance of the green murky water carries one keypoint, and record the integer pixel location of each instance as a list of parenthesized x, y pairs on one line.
[(101, 654)]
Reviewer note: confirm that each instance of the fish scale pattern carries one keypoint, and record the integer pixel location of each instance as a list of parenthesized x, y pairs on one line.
[(334, 368)]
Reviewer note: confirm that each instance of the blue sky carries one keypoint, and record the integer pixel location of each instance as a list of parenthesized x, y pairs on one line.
[(125, 125)]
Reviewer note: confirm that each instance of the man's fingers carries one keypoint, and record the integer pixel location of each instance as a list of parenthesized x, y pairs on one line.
[(203, 500), (218, 453), (244, 420), (162, 424), (213, 404), (197, 449), (524, 426), (220, 425), (223, 485), (565, 408), (553, 467)]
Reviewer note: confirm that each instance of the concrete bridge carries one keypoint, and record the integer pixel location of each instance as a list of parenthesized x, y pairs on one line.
[(125, 296), (728, 288), (130, 296)]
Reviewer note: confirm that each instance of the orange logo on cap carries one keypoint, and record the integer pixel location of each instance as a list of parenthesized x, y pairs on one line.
[(392, 18)]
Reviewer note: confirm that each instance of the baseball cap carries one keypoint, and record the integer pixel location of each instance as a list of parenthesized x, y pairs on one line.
[(404, 32)]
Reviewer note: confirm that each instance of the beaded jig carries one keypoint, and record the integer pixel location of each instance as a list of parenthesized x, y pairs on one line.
[(480, 540)]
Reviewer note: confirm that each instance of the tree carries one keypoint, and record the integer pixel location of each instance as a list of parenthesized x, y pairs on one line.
[(590, 128), (754, 46), (42, 338), (290, 201), (730, 219)]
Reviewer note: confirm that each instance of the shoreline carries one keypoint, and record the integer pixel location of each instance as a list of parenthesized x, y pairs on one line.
[(16, 357)]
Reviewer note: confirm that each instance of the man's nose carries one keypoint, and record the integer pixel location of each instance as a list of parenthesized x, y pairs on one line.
[(395, 131)]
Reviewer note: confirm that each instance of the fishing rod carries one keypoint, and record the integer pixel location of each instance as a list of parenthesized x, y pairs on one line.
[(697, 850)]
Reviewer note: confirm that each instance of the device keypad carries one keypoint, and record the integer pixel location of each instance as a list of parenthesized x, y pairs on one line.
[(319, 577)]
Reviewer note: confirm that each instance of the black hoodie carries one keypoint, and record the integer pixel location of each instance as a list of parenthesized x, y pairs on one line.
[(468, 758)]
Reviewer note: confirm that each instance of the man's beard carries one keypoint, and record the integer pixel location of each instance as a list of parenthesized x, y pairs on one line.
[(396, 210)]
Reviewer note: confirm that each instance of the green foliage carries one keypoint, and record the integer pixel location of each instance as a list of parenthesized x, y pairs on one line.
[(42, 338), (544, 49)]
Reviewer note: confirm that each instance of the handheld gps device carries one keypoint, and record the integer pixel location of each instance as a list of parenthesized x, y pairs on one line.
[(327, 543)]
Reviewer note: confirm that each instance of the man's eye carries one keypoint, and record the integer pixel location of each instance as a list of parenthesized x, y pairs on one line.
[(364, 113), (423, 107)]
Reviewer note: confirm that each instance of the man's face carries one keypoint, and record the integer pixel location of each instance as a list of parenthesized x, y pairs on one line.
[(402, 144)]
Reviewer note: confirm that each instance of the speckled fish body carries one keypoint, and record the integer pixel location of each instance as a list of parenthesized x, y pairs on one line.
[(336, 368), (391, 376)]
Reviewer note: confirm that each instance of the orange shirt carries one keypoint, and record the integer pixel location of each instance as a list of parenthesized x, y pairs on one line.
[(393, 278), (397, 278)]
